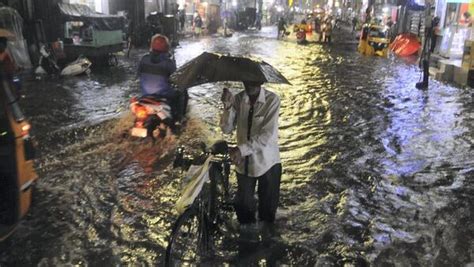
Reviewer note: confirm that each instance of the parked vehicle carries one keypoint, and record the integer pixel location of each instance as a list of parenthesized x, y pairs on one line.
[(17, 151), (245, 18), (90, 34), (157, 23), (77, 67), (374, 40), (47, 65)]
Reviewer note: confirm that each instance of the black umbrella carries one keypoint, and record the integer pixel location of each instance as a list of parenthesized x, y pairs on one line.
[(210, 67)]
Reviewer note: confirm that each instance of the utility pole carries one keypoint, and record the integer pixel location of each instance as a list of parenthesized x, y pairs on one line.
[(426, 52)]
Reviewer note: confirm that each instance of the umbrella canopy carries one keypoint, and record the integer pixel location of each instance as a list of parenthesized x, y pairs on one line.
[(7, 34), (211, 67)]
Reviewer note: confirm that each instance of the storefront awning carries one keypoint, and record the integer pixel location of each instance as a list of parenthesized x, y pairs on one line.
[(74, 12)]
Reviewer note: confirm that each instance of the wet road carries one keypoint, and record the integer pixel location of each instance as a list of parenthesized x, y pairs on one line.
[(375, 171)]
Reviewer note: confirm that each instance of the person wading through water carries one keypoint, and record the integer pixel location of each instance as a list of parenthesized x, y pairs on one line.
[(254, 114)]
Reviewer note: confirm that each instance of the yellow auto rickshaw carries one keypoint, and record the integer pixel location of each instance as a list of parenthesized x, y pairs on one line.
[(374, 40), (17, 151)]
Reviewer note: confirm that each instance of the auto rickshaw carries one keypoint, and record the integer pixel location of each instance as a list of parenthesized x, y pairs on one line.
[(374, 40), (17, 151)]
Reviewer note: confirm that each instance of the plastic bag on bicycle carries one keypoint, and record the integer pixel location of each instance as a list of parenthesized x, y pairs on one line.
[(197, 176)]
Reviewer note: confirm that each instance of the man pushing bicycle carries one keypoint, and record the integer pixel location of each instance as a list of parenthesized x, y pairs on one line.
[(254, 114)]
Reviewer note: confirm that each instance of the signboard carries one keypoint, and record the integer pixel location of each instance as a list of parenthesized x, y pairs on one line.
[(452, 44)]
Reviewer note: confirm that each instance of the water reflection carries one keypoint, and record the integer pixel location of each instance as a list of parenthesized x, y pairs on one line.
[(375, 171)]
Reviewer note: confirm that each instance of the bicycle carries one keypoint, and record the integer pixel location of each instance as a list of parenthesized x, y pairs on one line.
[(194, 234)]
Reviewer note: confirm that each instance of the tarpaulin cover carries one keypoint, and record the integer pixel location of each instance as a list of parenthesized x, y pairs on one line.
[(197, 175), (11, 21), (75, 12), (405, 45)]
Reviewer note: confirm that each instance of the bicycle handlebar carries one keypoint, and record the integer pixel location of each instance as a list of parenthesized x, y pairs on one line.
[(219, 149)]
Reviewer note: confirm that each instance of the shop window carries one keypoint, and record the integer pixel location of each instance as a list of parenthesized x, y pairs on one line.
[(454, 14)]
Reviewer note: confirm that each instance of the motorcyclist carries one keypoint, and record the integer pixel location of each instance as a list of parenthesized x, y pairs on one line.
[(155, 69)]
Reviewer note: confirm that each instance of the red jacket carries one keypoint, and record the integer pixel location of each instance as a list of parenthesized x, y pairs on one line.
[(9, 66)]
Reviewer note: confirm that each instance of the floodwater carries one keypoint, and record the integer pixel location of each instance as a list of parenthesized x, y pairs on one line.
[(376, 172)]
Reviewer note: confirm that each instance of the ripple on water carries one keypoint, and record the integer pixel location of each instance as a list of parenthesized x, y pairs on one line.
[(374, 170)]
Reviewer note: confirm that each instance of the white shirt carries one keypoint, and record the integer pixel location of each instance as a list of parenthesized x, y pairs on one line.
[(262, 147)]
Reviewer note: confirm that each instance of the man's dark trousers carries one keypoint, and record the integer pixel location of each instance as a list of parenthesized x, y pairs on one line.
[(268, 195)]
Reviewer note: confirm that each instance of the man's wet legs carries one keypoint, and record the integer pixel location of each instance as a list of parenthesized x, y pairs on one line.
[(269, 193), (245, 202), (268, 196)]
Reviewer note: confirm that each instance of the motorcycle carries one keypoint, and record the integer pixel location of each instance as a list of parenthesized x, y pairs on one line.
[(154, 116), (79, 66), (47, 65)]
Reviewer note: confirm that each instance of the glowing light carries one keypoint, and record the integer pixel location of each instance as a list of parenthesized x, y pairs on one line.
[(98, 5), (141, 113), (385, 10), (25, 129), (234, 3)]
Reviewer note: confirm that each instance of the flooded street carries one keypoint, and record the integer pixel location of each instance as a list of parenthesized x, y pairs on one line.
[(375, 172)]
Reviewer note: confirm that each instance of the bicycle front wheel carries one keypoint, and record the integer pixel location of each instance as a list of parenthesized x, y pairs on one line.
[(189, 240)]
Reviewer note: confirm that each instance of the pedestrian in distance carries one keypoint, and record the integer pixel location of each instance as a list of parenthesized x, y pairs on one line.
[(354, 23), (281, 28), (182, 18), (467, 19), (197, 25), (317, 27), (254, 114), (327, 31), (435, 31)]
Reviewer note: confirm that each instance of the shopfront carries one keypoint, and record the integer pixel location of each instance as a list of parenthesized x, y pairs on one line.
[(456, 23)]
